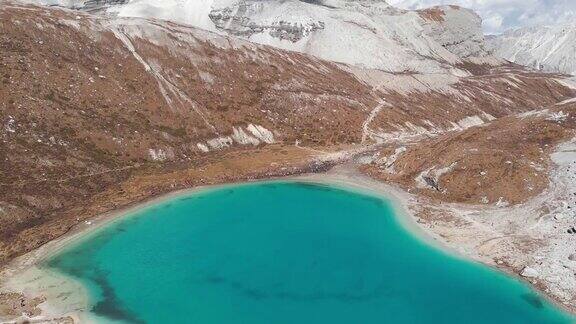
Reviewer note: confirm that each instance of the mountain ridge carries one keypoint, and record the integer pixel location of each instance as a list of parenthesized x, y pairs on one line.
[(370, 34)]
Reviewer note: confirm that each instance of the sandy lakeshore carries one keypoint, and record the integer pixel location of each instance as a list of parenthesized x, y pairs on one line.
[(67, 301)]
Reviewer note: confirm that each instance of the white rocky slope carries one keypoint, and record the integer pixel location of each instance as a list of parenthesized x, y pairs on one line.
[(366, 33), (546, 48)]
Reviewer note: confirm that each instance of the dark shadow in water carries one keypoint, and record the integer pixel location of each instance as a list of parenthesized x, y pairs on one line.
[(193, 197), (82, 268), (353, 295), (201, 196), (270, 185), (110, 307), (534, 300), (226, 192), (373, 200), (317, 186), (329, 188)]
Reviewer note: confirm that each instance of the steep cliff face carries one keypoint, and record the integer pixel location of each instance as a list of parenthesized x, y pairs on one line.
[(544, 48)]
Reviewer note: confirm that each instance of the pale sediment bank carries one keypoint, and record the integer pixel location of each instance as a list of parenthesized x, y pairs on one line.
[(67, 299)]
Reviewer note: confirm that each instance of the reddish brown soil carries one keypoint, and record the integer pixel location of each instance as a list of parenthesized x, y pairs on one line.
[(79, 115), (507, 159), (434, 14)]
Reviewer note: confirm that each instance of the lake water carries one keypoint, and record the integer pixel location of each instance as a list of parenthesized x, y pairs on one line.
[(284, 252)]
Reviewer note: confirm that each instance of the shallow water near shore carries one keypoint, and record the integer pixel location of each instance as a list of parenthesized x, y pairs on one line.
[(285, 252)]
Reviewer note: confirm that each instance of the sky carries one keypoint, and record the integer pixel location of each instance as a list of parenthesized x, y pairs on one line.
[(500, 15)]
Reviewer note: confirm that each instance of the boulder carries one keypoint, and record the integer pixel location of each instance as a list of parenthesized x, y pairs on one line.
[(529, 272)]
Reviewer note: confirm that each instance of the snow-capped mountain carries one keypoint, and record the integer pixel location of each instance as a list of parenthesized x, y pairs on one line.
[(546, 48), (364, 33), (367, 33)]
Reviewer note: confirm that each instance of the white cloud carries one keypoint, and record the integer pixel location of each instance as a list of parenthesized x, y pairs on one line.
[(499, 15)]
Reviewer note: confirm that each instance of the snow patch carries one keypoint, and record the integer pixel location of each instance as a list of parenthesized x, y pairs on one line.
[(191, 12), (160, 154), (202, 147), (533, 113), (10, 126), (261, 133), (501, 203), (256, 134), (219, 143), (557, 116), (470, 121), (567, 101), (388, 162), (429, 178), (206, 77), (240, 136)]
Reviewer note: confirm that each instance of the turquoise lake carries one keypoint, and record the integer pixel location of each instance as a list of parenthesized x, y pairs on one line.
[(286, 252)]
